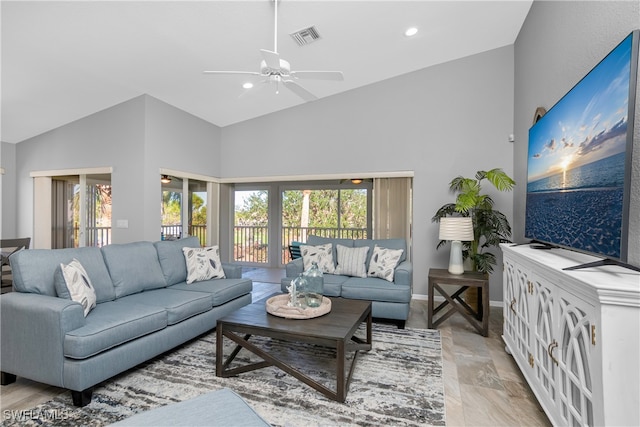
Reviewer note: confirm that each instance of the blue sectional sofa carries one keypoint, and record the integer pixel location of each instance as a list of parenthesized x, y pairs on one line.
[(144, 308), (390, 300)]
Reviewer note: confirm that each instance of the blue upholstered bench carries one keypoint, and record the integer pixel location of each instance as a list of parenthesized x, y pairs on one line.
[(218, 408)]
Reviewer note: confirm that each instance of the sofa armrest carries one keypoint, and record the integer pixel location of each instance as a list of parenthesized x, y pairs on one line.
[(232, 271), (32, 332), (404, 274), (294, 268)]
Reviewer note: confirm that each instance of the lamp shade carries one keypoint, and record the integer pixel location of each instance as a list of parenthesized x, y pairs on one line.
[(456, 228)]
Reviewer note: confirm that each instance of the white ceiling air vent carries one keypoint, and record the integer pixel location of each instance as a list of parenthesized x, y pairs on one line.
[(305, 36)]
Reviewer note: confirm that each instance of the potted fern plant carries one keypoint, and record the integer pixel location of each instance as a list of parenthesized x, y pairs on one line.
[(490, 226)]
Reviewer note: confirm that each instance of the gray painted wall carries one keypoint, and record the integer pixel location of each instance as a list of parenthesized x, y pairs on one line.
[(8, 191), (560, 42), (440, 122), (179, 141), (135, 138)]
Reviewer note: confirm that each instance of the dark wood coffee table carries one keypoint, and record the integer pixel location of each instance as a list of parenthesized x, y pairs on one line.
[(335, 329)]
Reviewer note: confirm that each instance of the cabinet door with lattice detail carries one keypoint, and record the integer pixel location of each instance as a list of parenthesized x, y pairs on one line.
[(575, 354), (516, 309), (545, 367)]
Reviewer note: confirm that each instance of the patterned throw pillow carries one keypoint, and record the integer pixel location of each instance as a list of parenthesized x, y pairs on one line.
[(383, 262), (80, 288), (321, 254), (203, 264), (351, 261)]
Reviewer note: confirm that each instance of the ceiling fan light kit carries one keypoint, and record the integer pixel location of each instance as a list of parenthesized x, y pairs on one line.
[(276, 70)]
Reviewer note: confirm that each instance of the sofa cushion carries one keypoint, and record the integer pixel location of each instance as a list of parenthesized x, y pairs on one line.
[(110, 324), (220, 290), (72, 282), (375, 289), (351, 261), (171, 258), (134, 267), (203, 264), (320, 254), (333, 284), (180, 305), (34, 270), (385, 243), (383, 262)]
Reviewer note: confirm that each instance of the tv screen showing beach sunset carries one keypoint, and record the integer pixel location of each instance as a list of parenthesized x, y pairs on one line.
[(576, 163)]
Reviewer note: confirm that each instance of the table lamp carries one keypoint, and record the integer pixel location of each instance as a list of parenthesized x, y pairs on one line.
[(456, 230)]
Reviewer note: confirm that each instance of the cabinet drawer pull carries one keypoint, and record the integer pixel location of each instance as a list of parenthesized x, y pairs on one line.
[(513, 302), (553, 345)]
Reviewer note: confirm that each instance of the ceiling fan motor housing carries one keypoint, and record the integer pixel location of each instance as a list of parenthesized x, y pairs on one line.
[(285, 69)]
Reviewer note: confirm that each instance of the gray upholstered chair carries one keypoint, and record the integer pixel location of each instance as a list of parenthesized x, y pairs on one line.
[(7, 247)]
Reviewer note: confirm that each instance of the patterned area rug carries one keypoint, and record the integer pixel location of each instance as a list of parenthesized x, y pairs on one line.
[(398, 382)]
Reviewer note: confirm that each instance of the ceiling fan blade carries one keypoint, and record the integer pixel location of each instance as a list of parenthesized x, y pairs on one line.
[(252, 73), (299, 90), (319, 75), (272, 59)]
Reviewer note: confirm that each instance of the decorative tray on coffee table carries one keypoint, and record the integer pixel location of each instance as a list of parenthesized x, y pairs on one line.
[(277, 306)]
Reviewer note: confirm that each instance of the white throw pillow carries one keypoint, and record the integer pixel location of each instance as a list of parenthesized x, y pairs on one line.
[(383, 262), (203, 264), (80, 288), (351, 261), (321, 254)]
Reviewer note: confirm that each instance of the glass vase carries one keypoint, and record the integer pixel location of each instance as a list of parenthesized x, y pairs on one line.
[(298, 292), (314, 286)]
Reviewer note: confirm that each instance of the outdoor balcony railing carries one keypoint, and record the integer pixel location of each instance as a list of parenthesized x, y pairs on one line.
[(96, 236), (101, 236), (251, 242), (173, 232)]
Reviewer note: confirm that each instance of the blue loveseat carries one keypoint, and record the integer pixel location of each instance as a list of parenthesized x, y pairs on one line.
[(144, 308), (390, 300)]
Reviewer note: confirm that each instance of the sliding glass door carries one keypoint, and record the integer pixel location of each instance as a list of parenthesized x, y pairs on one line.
[(268, 217), (183, 215), (337, 213), (251, 226), (80, 211)]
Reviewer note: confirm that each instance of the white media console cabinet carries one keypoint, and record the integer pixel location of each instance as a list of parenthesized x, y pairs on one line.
[(574, 334)]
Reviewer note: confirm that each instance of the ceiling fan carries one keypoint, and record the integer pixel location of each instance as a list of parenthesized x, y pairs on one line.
[(276, 70)]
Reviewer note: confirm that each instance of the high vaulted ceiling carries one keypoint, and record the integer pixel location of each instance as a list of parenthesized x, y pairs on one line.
[(62, 61)]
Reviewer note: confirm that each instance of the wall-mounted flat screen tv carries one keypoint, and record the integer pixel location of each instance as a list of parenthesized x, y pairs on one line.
[(579, 161)]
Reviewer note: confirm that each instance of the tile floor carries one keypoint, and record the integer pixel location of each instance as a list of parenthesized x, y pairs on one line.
[(483, 385)]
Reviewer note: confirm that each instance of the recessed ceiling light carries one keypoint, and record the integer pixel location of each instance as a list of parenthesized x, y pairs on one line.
[(411, 32), (247, 85)]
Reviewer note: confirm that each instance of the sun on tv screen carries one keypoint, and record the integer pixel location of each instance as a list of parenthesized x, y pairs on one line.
[(579, 161)]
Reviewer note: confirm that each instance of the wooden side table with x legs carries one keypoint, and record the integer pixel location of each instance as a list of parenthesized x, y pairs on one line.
[(479, 318)]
